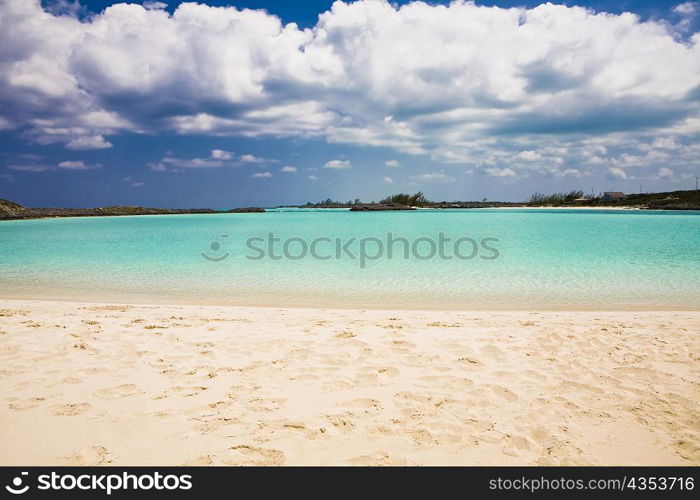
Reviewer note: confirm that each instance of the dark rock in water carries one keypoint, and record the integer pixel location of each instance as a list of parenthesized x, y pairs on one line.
[(379, 207), (246, 210)]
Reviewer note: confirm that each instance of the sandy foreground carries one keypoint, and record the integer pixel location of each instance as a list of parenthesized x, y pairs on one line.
[(95, 384)]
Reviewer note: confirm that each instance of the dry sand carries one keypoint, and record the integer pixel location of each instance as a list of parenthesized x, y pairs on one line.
[(129, 385)]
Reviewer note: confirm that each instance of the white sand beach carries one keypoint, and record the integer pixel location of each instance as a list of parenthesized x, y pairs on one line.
[(96, 384)]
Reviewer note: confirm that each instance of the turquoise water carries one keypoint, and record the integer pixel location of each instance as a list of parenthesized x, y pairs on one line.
[(546, 259)]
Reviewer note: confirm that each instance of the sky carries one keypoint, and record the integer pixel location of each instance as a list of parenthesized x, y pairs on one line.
[(232, 103)]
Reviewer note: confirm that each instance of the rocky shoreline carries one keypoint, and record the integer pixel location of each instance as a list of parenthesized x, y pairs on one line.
[(10, 210), (677, 200)]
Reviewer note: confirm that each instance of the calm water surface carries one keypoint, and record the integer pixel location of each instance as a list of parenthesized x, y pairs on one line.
[(546, 259)]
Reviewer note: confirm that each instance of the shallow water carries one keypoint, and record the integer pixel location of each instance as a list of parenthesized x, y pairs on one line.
[(544, 259)]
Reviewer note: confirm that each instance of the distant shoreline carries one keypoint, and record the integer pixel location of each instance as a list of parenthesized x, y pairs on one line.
[(676, 200)]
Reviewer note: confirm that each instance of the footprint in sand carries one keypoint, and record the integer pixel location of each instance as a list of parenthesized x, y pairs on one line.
[(341, 422), (346, 334), (266, 404), (438, 324), (336, 385), (91, 455), (71, 409), (377, 458), (403, 398), (27, 404), (119, 391), (188, 391), (504, 393), (252, 455), (421, 436), (202, 460), (466, 361)]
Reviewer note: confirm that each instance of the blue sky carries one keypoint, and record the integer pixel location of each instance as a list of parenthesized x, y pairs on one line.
[(206, 105)]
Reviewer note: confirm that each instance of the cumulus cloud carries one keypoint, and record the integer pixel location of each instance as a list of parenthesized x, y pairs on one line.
[(338, 164), (217, 158), (663, 173), (152, 5), (685, 8), (134, 183), (262, 175), (89, 142), (617, 173), (501, 172), (391, 163), (35, 167), (433, 178), (29, 168), (77, 165), (388, 180), (220, 154), (158, 167), (313, 178), (687, 12), (188, 163), (288, 169), (247, 158), (461, 83)]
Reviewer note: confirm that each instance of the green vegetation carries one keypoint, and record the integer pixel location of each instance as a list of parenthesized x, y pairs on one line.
[(410, 200), (402, 199), (673, 200), (554, 199), (329, 203)]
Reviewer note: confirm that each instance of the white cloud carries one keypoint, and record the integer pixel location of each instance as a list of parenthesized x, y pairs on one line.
[(391, 163), (338, 164), (77, 165), (154, 5), (501, 172), (89, 142), (461, 83), (686, 8), (157, 167), (29, 168), (40, 167), (220, 154), (663, 174), (134, 183), (191, 162), (388, 180), (252, 159), (529, 155), (262, 175), (288, 169), (313, 178), (617, 173), (434, 178)]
